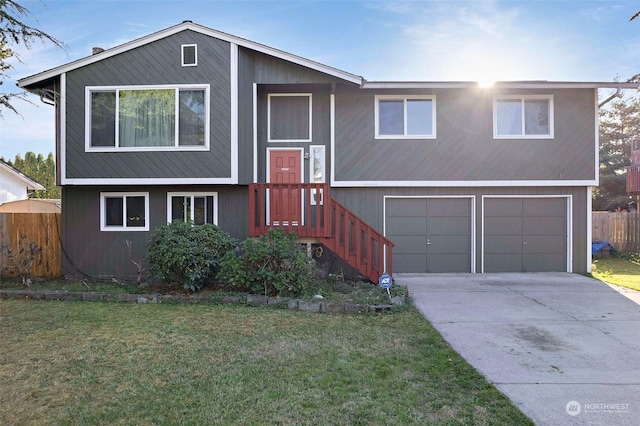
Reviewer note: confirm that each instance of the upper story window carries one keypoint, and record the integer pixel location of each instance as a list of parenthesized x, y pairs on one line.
[(147, 118), (289, 117), (197, 207), (523, 117), (405, 117), (124, 211)]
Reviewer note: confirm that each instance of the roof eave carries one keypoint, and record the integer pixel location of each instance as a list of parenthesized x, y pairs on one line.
[(27, 82), (499, 84)]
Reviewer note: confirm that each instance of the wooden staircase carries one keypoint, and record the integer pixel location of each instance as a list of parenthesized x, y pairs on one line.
[(308, 210)]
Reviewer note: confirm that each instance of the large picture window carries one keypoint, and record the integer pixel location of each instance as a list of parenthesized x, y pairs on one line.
[(197, 208), (121, 211), (523, 117), (148, 118), (289, 117), (405, 117)]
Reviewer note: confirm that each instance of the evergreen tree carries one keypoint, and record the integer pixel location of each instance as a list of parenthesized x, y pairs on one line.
[(42, 171), (619, 126), (15, 33)]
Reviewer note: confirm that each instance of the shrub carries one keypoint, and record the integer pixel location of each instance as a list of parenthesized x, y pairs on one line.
[(273, 263), (186, 254)]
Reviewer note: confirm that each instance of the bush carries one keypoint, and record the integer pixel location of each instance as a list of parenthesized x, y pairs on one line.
[(273, 263), (186, 254)]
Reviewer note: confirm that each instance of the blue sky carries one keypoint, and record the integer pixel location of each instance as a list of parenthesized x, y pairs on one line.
[(380, 40)]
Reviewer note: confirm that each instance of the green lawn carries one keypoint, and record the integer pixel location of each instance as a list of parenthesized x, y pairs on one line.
[(622, 271), (109, 363)]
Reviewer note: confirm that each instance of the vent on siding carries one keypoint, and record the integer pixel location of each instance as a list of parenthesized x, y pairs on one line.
[(189, 55)]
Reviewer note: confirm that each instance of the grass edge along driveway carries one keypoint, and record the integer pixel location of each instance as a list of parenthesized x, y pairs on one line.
[(619, 270), (107, 363)]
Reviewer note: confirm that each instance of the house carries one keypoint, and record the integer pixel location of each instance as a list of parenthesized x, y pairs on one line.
[(15, 185), (193, 123)]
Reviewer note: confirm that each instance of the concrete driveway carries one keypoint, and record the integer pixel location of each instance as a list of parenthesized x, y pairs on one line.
[(564, 348)]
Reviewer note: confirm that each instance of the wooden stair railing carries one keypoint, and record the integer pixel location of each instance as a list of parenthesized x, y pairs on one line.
[(322, 218)]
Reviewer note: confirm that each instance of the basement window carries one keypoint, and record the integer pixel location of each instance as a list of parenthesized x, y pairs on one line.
[(189, 55)]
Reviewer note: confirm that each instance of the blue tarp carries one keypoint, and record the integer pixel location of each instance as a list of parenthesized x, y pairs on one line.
[(596, 246)]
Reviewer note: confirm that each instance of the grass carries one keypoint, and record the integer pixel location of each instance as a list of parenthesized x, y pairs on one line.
[(619, 270), (101, 363)]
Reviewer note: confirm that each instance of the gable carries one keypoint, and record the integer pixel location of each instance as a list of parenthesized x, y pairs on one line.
[(38, 79)]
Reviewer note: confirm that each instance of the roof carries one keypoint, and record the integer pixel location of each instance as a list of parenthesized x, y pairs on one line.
[(30, 183), (187, 25)]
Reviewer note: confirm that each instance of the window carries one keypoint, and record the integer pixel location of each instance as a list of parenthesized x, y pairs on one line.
[(523, 117), (121, 211), (289, 117), (198, 208), (317, 172), (148, 118), (409, 117), (189, 55)]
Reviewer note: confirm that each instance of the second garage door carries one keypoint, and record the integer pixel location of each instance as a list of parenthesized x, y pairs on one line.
[(525, 234), (430, 234)]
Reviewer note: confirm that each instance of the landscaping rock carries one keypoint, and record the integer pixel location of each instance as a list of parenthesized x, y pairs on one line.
[(3, 294), (54, 295), (92, 296), (376, 309), (37, 295), (232, 299), (277, 301), (333, 308), (257, 299), (309, 306), (397, 300), (355, 308), (292, 304)]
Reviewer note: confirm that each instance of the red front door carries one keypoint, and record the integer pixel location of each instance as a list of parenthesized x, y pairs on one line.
[(285, 166)]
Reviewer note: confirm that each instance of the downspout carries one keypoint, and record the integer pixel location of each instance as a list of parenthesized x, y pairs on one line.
[(610, 98)]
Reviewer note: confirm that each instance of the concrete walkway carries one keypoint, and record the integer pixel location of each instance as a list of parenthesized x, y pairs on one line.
[(564, 348)]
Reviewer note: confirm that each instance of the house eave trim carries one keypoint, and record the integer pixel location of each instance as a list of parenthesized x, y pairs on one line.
[(149, 181), (497, 85), (466, 183)]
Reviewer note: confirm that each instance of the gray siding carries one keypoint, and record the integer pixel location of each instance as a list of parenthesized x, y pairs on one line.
[(321, 127), (464, 149), (91, 252), (155, 63), (368, 203)]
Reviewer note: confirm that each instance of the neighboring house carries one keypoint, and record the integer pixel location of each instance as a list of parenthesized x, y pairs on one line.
[(15, 185), (194, 123)]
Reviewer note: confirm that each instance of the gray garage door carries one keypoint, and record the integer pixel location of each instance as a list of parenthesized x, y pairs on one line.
[(430, 234), (525, 235)]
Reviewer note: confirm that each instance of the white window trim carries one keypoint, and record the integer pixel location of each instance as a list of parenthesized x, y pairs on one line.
[(124, 227), (182, 47), (308, 95), (192, 195), (405, 98), (91, 89), (522, 98)]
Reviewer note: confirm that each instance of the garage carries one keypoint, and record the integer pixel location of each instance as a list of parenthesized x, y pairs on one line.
[(525, 234), (431, 234)]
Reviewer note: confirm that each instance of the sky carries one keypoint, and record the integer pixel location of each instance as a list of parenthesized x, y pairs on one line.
[(560, 40)]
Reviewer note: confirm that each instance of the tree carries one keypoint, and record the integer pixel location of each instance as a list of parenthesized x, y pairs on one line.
[(619, 125), (42, 171), (14, 33)]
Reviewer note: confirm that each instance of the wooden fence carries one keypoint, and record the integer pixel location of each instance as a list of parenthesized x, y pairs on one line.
[(43, 229), (622, 230)]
